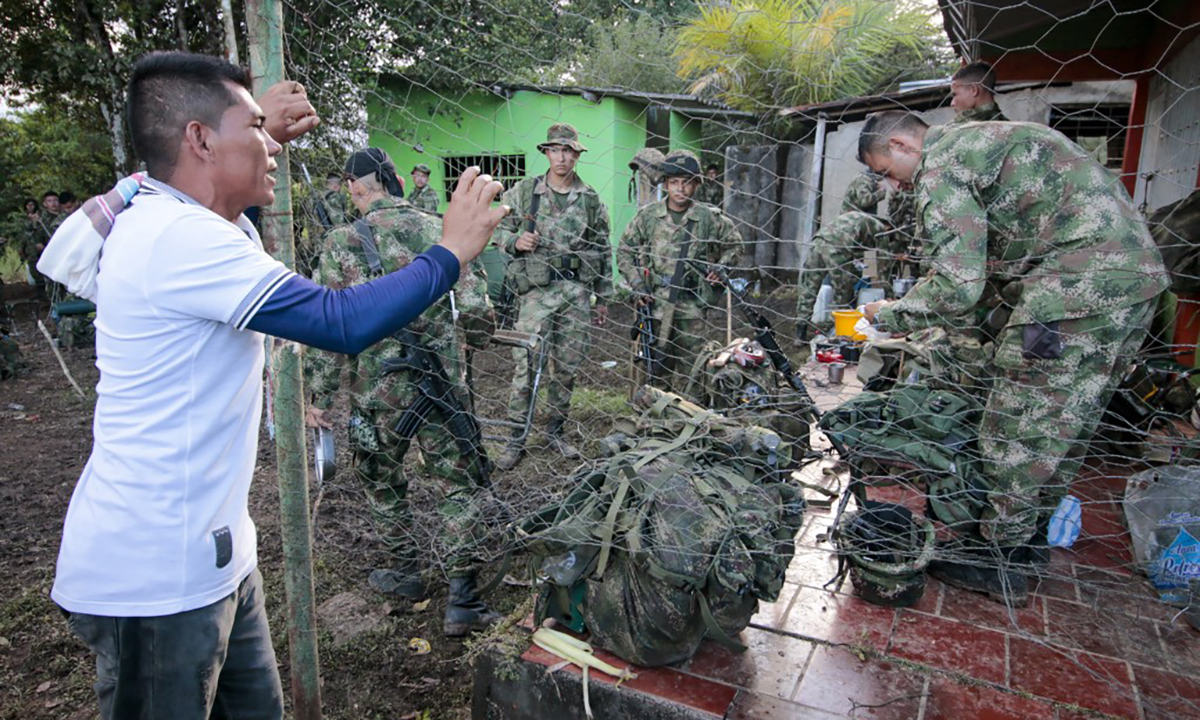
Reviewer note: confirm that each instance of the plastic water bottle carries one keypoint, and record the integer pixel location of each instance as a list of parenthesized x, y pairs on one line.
[(1065, 523)]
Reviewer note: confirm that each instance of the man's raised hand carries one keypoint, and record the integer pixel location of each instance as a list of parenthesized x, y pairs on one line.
[(289, 114), (470, 218)]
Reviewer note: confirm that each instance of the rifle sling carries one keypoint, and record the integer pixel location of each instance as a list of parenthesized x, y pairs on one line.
[(681, 262), (366, 237)]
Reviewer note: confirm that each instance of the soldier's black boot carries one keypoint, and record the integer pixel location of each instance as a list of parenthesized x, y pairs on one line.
[(998, 576), (465, 612), (403, 581), (559, 442)]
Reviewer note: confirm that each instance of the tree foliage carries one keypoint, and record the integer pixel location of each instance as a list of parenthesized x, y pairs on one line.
[(631, 52), (764, 55), (51, 148)]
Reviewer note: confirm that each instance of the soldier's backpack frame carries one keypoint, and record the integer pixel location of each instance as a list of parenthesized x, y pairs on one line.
[(536, 354)]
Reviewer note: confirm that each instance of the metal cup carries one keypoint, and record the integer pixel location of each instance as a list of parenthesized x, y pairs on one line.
[(837, 371)]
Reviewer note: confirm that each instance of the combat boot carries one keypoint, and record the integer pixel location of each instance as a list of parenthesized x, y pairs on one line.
[(559, 442), (403, 581), (511, 455), (465, 612), (982, 571)]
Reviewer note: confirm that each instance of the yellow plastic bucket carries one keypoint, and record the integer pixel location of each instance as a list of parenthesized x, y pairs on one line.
[(843, 324)]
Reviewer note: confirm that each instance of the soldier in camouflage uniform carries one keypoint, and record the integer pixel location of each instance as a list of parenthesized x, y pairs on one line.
[(378, 401), (335, 200), (864, 193), (973, 94), (38, 232), (711, 190), (558, 237), (832, 256), (645, 187), (649, 255), (1019, 207), (423, 195)]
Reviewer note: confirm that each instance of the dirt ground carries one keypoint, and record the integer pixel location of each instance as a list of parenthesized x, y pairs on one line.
[(45, 438)]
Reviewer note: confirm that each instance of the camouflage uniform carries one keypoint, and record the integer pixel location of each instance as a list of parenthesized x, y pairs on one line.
[(834, 250), (711, 192), (864, 193), (570, 226), (379, 401), (338, 206), (39, 232), (424, 198), (1017, 203), (984, 113), (647, 256)]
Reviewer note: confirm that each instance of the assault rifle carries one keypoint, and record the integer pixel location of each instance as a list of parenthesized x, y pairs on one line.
[(643, 331), (323, 218), (436, 392), (765, 336)]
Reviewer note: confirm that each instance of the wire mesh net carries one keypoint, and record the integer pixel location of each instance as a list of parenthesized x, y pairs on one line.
[(1019, 385), (1043, 368)]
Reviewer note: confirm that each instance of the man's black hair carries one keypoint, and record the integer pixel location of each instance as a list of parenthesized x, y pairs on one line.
[(977, 73), (882, 126), (712, 166), (28, 200), (334, 175), (167, 90), (66, 196), (49, 193)]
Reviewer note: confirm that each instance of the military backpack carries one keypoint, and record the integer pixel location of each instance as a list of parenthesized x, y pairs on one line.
[(674, 537), (934, 431)]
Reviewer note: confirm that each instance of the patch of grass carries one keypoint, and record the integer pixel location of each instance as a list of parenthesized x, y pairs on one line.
[(594, 403)]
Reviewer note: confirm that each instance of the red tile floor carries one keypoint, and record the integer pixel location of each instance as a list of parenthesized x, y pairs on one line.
[(1092, 642)]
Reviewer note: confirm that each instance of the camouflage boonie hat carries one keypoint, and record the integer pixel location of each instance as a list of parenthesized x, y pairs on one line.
[(681, 163), (649, 161), (423, 168), (562, 134)]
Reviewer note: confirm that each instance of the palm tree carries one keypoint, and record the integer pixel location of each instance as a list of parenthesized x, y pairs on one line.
[(764, 55)]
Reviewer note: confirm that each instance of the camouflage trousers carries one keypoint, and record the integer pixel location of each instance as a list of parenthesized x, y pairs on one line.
[(679, 348), (560, 313), (825, 261), (379, 463), (1040, 414)]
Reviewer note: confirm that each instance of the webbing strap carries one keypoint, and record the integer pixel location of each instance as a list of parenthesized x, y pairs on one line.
[(714, 629), (610, 520), (684, 436), (366, 238)]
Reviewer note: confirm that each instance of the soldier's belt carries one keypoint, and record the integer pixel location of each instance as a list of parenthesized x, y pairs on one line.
[(566, 267)]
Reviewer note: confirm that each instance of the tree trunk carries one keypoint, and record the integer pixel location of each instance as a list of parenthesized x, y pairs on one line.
[(181, 26), (113, 108)]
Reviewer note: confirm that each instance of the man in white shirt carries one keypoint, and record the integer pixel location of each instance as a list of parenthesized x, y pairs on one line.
[(157, 571)]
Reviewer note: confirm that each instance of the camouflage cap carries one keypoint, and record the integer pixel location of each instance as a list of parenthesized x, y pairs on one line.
[(422, 168), (562, 134), (649, 161), (681, 163)]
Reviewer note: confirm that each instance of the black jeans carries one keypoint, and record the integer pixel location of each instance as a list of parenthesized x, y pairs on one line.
[(216, 661)]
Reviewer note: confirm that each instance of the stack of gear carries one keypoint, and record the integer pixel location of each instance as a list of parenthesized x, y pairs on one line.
[(886, 552), (933, 356), (738, 381), (674, 537), (1152, 389), (933, 431), (74, 319)]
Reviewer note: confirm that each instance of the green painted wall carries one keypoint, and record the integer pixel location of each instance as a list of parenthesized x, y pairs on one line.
[(401, 116), (685, 133)]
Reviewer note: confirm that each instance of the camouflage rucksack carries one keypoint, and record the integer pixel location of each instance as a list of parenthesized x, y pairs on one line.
[(674, 537), (934, 430), (738, 381), (11, 362)]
